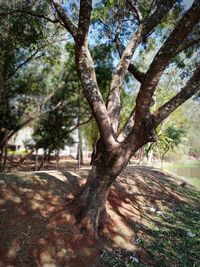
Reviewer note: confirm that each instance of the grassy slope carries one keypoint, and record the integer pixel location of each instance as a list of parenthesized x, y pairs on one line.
[(134, 232)]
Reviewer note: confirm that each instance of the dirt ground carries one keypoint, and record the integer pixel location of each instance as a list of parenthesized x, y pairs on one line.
[(30, 236)]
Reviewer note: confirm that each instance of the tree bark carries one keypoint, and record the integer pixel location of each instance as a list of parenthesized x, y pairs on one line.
[(112, 154), (90, 204), (5, 152)]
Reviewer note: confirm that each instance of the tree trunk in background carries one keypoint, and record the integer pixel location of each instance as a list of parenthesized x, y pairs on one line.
[(36, 159), (4, 152), (141, 156), (150, 158), (57, 158), (1, 157), (43, 160), (22, 160), (2, 144), (80, 148), (5, 156)]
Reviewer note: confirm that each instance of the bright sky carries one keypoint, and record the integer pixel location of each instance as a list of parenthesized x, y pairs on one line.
[(188, 3)]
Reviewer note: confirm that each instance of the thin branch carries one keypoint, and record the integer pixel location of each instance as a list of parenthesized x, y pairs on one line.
[(28, 13), (135, 10), (151, 6), (80, 124), (31, 57), (64, 18), (21, 125), (192, 86), (23, 63), (187, 44), (132, 69)]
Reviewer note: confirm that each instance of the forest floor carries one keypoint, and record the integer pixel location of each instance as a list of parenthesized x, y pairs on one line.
[(154, 220)]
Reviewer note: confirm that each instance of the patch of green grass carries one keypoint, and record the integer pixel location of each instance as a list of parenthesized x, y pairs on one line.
[(169, 243), (174, 247), (18, 153)]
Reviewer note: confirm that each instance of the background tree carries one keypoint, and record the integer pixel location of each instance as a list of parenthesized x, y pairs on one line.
[(65, 110), (23, 40)]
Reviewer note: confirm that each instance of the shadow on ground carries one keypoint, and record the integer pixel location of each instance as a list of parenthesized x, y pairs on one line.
[(150, 216)]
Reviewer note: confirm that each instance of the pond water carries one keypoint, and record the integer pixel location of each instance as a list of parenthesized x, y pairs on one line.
[(189, 171)]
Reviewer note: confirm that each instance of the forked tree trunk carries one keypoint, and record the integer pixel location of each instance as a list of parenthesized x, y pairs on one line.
[(90, 204)]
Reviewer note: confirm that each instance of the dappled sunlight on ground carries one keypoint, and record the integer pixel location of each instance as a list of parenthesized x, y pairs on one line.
[(37, 230)]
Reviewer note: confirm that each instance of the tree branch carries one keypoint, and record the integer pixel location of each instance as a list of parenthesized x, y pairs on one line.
[(23, 63), (138, 75), (131, 68), (113, 103), (187, 44), (161, 61), (85, 68), (87, 76), (135, 10), (80, 124), (86, 72), (127, 128), (31, 57), (64, 18), (192, 86), (84, 20), (28, 13)]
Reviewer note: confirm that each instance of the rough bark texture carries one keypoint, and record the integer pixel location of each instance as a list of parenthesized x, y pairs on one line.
[(112, 154), (90, 203)]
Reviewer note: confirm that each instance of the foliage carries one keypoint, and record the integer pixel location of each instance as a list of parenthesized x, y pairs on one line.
[(64, 108), (192, 128), (22, 84), (175, 135), (169, 139), (52, 132)]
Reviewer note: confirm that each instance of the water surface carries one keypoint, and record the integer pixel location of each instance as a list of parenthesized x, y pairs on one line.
[(189, 171)]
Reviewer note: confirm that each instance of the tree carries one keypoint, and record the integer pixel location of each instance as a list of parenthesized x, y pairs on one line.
[(64, 111), (23, 39), (139, 20), (112, 156)]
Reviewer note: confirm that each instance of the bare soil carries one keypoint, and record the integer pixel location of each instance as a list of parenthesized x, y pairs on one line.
[(37, 231)]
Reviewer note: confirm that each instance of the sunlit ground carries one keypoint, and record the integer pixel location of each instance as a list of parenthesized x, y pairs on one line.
[(151, 215)]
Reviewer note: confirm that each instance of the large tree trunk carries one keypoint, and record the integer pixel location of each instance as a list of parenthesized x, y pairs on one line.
[(90, 203)]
